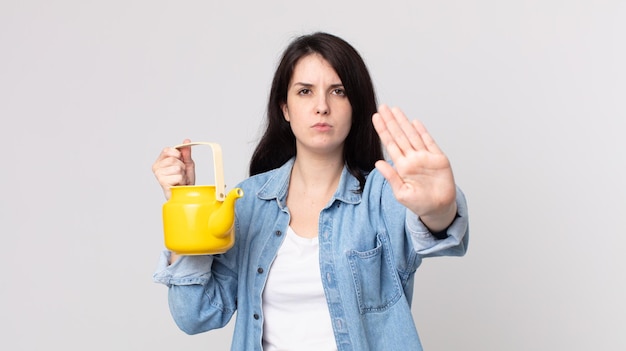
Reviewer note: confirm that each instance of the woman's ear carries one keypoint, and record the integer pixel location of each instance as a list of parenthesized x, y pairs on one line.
[(285, 111)]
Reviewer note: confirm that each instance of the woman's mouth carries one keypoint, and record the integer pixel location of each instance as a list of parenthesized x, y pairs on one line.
[(322, 127)]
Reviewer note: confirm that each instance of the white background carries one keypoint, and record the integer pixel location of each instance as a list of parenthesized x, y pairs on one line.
[(527, 98)]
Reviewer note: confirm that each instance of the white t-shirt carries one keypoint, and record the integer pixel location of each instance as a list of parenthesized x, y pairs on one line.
[(295, 311)]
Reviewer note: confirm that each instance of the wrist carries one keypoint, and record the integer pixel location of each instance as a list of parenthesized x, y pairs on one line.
[(439, 222)]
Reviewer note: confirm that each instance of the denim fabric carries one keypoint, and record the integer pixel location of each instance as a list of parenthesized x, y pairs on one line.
[(370, 248)]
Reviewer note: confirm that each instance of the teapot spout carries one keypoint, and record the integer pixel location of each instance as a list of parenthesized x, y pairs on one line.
[(223, 218)]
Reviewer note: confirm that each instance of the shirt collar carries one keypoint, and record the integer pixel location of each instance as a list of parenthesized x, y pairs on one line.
[(277, 185)]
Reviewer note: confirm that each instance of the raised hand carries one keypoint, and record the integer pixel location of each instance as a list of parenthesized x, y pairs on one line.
[(421, 176), (174, 167)]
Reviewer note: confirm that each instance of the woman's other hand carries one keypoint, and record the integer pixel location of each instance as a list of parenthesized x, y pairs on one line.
[(174, 167)]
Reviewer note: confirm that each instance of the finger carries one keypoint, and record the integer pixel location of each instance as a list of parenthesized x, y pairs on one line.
[(169, 176), (168, 152), (394, 136), (168, 166), (385, 137), (411, 133), (426, 138), (167, 157), (400, 131)]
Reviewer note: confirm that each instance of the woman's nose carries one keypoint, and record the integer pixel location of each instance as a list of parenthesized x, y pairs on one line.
[(322, 107)]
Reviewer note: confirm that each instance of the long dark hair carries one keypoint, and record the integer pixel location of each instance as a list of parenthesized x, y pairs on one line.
[(362, 147)]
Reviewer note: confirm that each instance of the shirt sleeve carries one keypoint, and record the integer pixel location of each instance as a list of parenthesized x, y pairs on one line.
[(187, 270), (202, 292), (456, 238)]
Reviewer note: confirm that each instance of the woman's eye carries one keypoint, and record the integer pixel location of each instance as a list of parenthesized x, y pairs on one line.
[(304, 91), (339, 92)]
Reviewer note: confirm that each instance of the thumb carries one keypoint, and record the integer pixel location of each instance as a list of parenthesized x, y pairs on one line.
[(185, 152), (390, 174)]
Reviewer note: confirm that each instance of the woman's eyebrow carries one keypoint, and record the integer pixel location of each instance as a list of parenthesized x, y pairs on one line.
[(308, 85), (303, 84)]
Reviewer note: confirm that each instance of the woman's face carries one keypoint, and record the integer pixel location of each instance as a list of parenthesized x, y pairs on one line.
[(317, 107)]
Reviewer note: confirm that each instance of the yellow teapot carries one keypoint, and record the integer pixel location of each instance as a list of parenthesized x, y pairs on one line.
[(199, 219)]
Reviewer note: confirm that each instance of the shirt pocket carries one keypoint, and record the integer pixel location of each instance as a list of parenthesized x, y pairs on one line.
[(376, 282)]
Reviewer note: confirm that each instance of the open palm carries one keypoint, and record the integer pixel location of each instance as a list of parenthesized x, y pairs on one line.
[(421, 176)]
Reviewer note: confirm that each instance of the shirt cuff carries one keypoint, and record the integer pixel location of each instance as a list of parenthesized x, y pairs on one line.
[(452, 242), (187, 270)]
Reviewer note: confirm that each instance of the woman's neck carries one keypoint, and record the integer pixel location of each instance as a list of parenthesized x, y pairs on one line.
[(317, 173), (313, 183)]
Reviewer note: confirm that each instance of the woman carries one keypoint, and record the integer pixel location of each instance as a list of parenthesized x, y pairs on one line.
[(329, 235)]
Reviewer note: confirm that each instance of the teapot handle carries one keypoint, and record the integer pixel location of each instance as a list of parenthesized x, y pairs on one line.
[(220, 187)]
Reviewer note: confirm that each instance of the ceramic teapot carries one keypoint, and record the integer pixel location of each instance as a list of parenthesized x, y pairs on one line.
[(199, 219)]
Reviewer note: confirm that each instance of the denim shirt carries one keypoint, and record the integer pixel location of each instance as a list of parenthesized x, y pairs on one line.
[(369, 249)]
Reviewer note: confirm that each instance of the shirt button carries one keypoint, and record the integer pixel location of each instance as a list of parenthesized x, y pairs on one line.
[(260, 270), (255, 316), (278, 233)]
